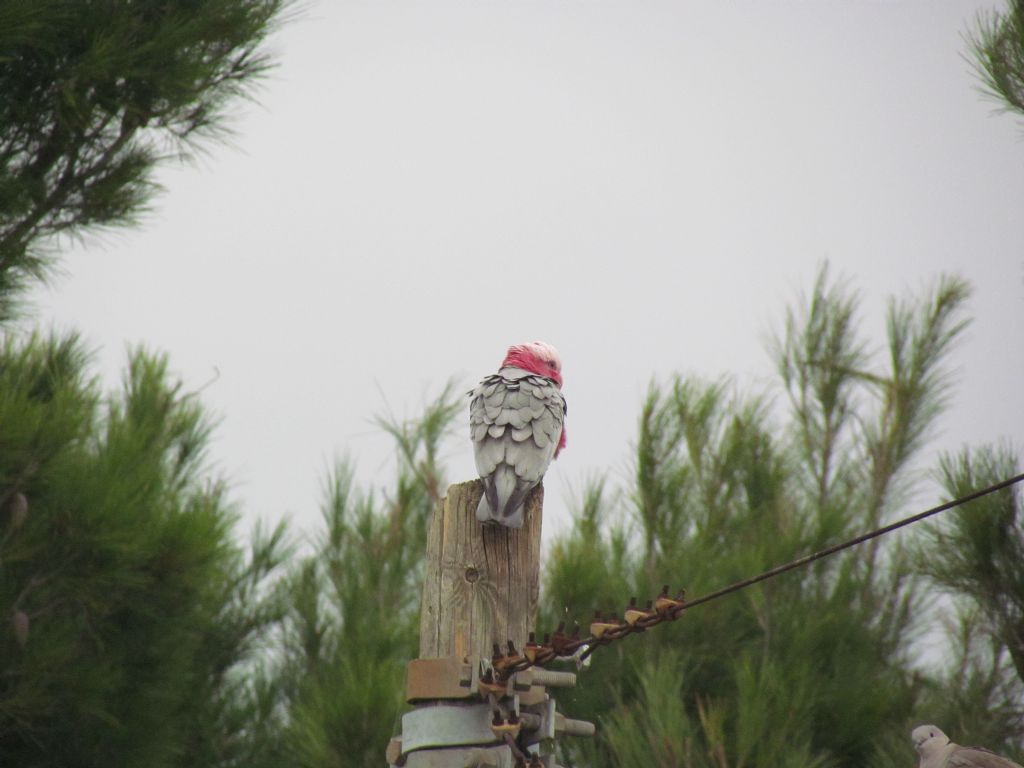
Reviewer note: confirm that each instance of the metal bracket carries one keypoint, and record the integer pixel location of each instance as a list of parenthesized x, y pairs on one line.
[(448, 677), (546, 723), (450, 722), (470, 757), (545, 714), (447, 725)]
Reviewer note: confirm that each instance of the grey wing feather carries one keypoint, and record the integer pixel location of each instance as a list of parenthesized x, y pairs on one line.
[(523, 433), (515, 424), (978, 757)]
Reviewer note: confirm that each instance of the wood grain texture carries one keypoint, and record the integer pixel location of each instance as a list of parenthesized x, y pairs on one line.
[(481, 582)]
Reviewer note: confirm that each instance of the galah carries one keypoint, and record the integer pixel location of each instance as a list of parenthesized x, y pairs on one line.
[(516, 421), (937, 751)]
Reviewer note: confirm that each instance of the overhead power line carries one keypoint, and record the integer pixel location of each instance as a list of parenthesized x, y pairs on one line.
[(664, 608), (854, 542)]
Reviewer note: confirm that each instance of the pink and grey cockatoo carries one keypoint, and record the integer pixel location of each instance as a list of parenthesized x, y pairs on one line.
[(516, 420), (937, 751)]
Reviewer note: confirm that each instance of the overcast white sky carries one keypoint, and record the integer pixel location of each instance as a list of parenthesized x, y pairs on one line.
[(643, 184)]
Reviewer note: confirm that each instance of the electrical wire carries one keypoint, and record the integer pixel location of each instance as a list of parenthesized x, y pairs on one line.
[(854, 542), (611, 630)]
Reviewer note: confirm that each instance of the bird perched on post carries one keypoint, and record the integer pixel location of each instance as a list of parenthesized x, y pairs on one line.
[(516, 422), (937, 751)]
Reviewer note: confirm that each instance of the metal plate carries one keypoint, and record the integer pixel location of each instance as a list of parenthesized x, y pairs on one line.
[(447, 725), (546, 711), (473, 757), (445, 678)]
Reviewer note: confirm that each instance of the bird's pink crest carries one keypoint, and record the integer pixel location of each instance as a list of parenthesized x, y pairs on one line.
[(540, 358), (536, 357)]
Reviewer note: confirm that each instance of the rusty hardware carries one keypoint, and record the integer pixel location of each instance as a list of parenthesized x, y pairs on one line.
[(539, 653), (559, 645), (669, 607), (563, 644), (510, 725), (510, 661), (599, 626), (637, 617), (490, 684), (532, 648)]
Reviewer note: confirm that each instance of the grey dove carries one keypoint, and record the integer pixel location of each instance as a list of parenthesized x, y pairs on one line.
[(516, 420), (937, 751)]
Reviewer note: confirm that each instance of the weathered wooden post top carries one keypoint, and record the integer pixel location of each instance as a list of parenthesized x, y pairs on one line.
[(482, 582)]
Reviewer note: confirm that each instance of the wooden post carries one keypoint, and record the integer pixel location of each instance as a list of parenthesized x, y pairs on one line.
[(481, 587), (482, 582)]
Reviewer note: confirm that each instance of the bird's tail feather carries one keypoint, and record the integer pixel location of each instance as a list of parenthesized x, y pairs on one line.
[(502, 500)]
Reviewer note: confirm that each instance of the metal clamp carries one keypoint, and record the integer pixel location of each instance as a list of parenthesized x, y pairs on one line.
[(447, 725)]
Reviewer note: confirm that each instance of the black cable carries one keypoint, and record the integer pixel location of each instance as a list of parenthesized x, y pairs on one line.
[(853, 542), (622, 629)]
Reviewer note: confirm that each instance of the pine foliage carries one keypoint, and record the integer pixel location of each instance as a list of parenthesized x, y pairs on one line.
[(94, 94), (998, 47), (975, 558), (814, 667), (353, 621), (979, 551), (137, 631), (127, 607)]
